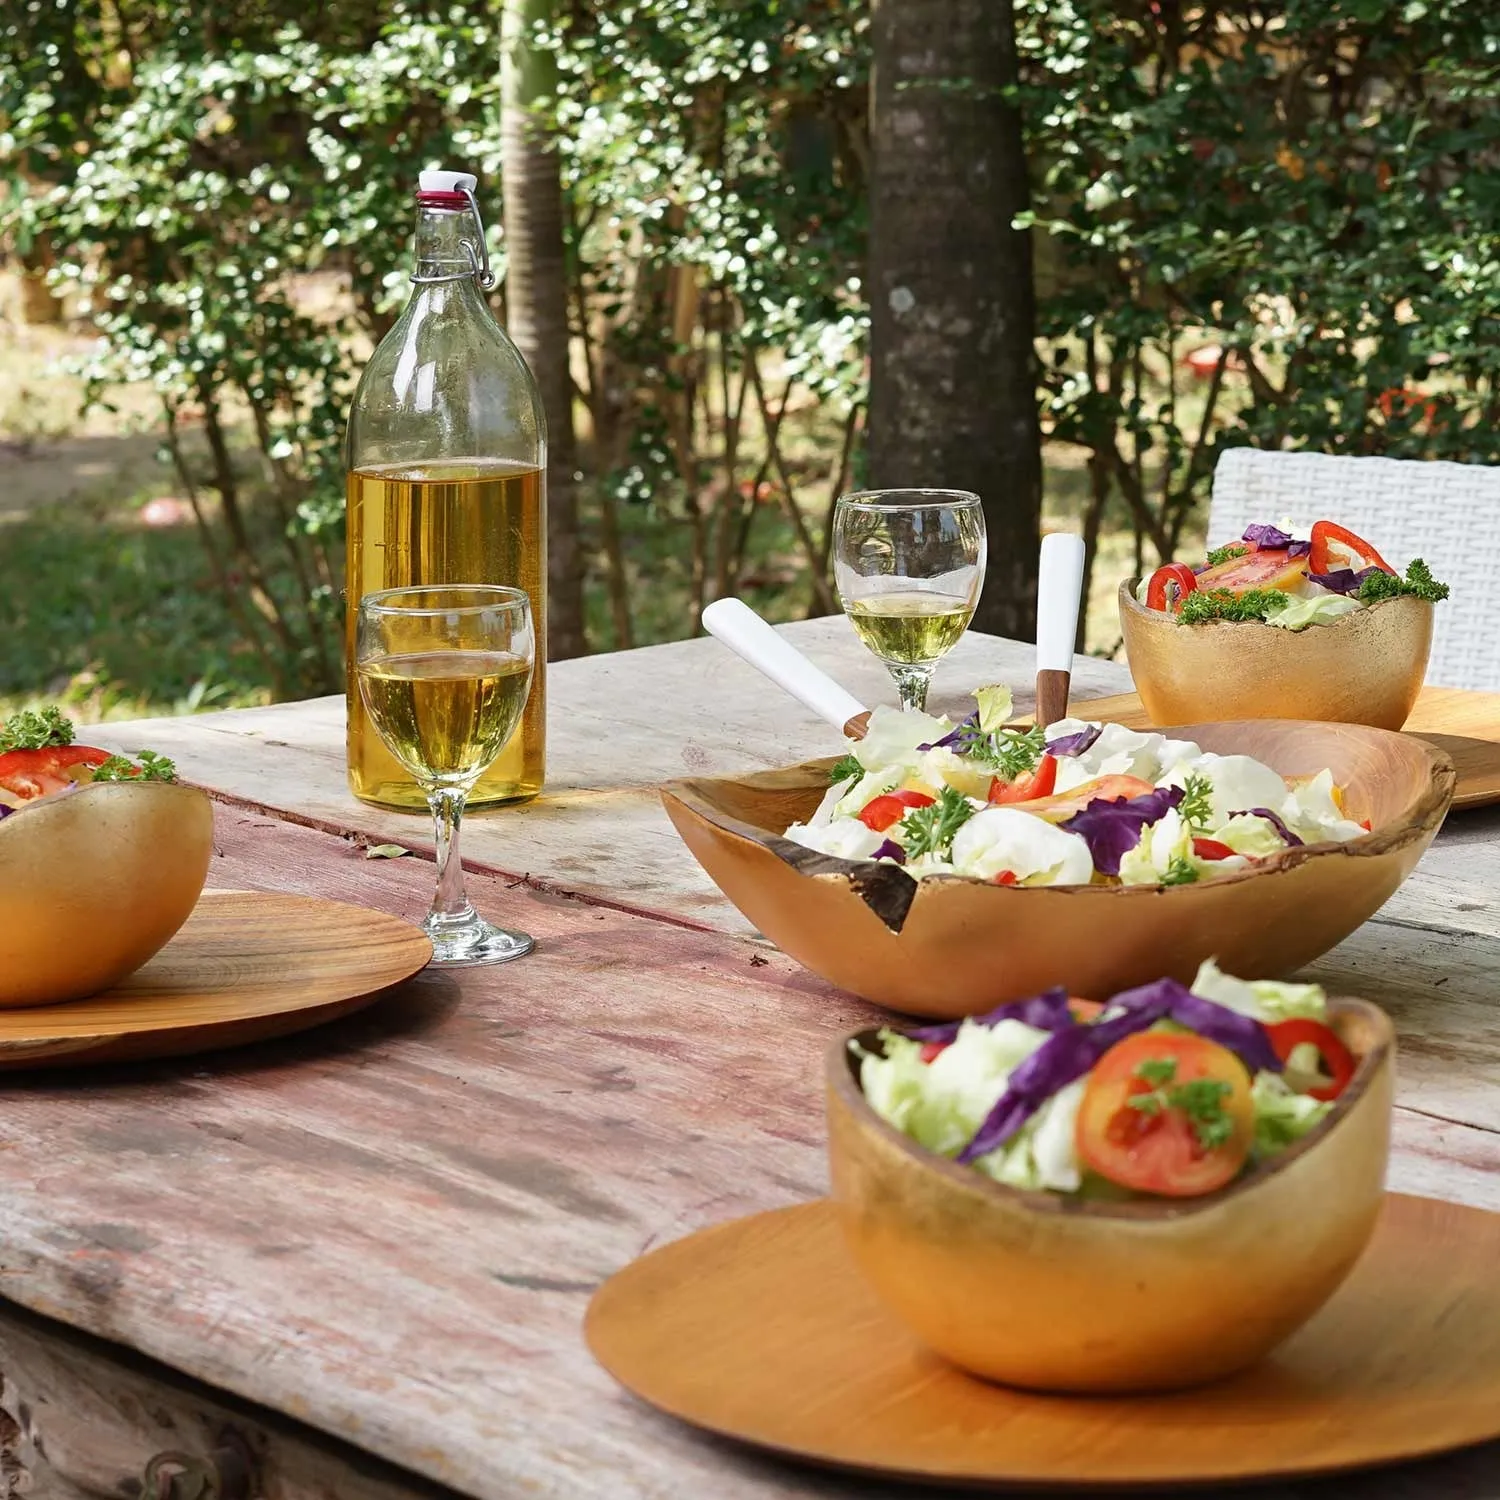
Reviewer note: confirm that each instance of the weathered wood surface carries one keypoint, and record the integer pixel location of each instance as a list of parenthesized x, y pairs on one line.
[(617, 726), (388, 1230)]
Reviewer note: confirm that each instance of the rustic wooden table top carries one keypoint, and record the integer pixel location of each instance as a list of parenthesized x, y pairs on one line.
[(389, 1229)]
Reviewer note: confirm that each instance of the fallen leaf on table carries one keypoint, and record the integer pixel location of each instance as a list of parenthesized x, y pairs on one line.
[(385, 851)]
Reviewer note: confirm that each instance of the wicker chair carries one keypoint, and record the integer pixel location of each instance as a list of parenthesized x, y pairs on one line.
[(1448, 514)]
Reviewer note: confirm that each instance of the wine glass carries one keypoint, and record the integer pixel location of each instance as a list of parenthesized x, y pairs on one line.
[(908, 566), (444, 673)]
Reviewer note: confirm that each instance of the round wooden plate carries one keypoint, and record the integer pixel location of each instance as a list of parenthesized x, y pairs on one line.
[(763, 1331), (246, 965)]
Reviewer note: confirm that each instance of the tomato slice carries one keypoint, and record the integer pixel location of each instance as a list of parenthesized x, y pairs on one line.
[(1212, 849), (1034, 784), (1326, 534), (1257, 568), (883, 811), (1337, 1059), (1063, 805), (1178, 1139), (1170, 573), (931, 1049), (38, 773)]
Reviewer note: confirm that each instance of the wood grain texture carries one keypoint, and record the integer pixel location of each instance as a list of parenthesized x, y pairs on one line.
[(763, 1330), (388, 1229), (1464, 724), (618, 725), (245, 966)]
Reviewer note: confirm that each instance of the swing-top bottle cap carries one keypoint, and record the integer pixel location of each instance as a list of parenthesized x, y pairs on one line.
[(446, 182)]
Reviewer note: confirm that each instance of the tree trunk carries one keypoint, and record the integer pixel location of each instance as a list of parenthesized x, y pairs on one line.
[(953, 363), (537, 301)]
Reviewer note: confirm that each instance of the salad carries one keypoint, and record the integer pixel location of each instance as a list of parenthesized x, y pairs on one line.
[(38, 760), (1285, 576), (1163, 1091), (1076, 803)]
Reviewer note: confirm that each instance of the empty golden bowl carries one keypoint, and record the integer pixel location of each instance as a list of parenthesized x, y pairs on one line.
[(948, 946), (1053, 1293), (94, 883), (1365, 667)]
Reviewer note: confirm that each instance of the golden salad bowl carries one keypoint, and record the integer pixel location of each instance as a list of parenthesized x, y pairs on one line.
[(950, 946), (1054, 1293), (1365, 667), (94, 883)]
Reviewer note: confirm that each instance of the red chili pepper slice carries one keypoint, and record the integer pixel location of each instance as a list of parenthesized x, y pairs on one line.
[(1037, 783), (1005, 877), (1156, 591), (1211, 849), (931, 1049), (1338, 1061), (883, 811), (1321, 560)]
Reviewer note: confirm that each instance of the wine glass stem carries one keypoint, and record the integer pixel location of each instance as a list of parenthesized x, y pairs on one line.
[(450, 904), (911, 684)]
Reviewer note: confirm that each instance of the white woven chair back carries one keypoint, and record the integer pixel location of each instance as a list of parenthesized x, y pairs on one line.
[(1448, 514)]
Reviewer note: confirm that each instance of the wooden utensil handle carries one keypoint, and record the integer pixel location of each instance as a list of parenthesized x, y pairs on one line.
[(1051, 696)]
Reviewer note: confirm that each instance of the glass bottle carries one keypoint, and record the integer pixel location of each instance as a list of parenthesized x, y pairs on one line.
[(446, 466)]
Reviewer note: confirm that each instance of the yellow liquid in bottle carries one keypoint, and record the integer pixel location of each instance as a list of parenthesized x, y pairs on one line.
[(912, 630), (454, 521)]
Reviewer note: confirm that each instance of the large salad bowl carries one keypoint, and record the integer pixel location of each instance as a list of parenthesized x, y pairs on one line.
[(948, 946)]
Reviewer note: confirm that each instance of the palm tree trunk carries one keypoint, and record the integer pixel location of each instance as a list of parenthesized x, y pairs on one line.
[(537, 300), (953, 363)]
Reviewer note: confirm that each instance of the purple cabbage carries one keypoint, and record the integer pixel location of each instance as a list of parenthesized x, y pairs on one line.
[(1113, 829), (955, 734), (5, 811), (890, 850), (1273, 536), (1342, 580), (1046, 1012), (1074, 744), (1068, 1055), (1274, 819)]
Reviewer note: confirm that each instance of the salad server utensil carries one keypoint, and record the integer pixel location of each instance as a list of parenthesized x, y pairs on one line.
[(750, 637), (1059, 593)]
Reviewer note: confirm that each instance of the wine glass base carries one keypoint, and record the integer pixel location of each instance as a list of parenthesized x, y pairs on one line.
[(475, 943)]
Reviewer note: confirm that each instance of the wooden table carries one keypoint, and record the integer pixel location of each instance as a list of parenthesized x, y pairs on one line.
[(385, 1233)]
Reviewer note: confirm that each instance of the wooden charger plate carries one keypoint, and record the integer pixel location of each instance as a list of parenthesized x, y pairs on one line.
[(1465, 724), (245, 966), (763, 1331)]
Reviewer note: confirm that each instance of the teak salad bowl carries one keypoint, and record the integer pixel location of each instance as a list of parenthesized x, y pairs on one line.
[(1049, 1292), (95, 882), (950, 946), (1365, 667)]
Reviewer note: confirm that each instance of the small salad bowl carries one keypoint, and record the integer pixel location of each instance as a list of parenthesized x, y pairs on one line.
[(1051, 1292), (95, 883), (947, 946), (1365, 667)]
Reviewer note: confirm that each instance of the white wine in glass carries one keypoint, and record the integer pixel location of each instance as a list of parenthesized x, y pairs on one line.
[(908, 566), (444, 675)]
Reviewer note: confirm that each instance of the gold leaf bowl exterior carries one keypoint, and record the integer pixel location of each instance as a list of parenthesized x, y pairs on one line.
[(1365, 667), (948, 947), (94, 883), (1052, 1293)]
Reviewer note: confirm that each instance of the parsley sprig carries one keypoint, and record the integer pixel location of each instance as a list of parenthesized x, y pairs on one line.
[(148, 766), (1418, 582), (1223, 604), (1219, 555), (847, 769), (1196, 808), (930, 829), (1180, 871), (29, 730), (1200, 1099), (1012, 752)]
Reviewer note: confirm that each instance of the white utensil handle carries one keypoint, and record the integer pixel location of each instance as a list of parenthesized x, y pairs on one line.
[(747, 635), (1059, 593)]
